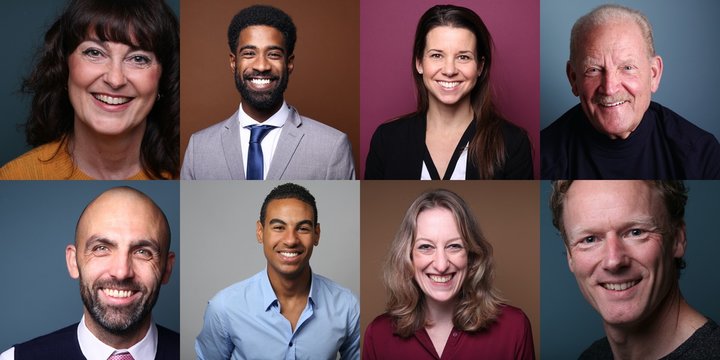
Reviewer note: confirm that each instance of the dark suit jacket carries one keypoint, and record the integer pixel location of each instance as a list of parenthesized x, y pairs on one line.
[(306, 150), (397, 149)]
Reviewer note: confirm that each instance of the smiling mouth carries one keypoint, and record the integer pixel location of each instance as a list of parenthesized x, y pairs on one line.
[(620, 286), (614, 104), (448, 84), (440, 278), (260, 82), (289, 254), (112, 100), (115, 293)]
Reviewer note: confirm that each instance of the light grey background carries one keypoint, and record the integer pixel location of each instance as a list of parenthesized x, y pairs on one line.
[(218, 226), (37, 222), (686, 35), (568, 324), (24, 24)]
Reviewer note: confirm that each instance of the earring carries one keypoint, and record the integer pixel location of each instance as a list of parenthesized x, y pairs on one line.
[(420, 72), (158, 97)]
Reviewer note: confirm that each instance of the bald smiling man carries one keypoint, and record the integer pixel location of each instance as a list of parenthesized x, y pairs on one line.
[(121, 258)]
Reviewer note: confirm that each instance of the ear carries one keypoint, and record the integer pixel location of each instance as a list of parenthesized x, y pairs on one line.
[(168, 267), (418, 66), (317, 234), (71, 261), (679, 242), (259, 231), (569, 259), (232, 63), (290, 63), (656, 69), (572, 77), (481, 66)]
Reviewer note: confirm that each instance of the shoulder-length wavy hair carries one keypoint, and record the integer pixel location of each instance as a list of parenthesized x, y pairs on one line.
[(487, 147), (147, 24), (479, 301)]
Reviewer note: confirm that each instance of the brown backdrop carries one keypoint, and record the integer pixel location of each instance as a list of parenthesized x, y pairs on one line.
[(509, 216), (324, 85)]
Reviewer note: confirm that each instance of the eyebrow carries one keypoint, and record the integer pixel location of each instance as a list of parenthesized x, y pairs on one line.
[(99, 239), (278, 221), (103, 44), (253, 47)]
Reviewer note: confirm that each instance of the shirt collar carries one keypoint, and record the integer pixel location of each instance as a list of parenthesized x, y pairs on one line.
[(268, 294), (277, 119), (93, 348)]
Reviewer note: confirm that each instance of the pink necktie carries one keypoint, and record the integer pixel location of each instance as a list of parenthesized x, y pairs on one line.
[(122, 356)]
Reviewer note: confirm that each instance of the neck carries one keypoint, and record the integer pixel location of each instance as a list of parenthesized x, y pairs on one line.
[(442, 116), (123, 341), (286, 287), (439, 312), (106, 157), (260, 115), (667, 328)]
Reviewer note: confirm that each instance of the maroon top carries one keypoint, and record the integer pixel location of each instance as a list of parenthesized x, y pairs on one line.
[(509, 337)]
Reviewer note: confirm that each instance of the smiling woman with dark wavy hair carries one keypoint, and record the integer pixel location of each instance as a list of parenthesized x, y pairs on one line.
[(105, 95)]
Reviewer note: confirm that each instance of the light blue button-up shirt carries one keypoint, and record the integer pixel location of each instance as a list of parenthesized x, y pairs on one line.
[(244, 321)]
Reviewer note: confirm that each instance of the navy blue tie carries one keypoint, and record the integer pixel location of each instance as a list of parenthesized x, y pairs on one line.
[(255, 155)]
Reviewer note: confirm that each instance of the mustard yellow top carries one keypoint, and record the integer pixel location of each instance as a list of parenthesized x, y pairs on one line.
[(48, 162)]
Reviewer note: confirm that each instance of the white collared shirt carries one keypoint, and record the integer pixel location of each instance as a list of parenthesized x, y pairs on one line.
[(269, 142), (94, 349)]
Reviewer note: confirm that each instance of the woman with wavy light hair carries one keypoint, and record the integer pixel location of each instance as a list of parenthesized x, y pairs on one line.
[(441, 299)]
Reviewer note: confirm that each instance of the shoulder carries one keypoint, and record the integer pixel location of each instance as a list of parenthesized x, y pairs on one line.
[(168, 340), (513, 135), (401, 125), (333, 290), (217, 128), (599, 350), (676, 126), (316, 128), (45, 162), (382, 325), (511, 314), (563, 125), (703, 344), (57, 343), (236, 294)]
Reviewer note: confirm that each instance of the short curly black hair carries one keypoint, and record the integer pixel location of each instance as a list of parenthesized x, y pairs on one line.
[(289, 191), (262, 15)]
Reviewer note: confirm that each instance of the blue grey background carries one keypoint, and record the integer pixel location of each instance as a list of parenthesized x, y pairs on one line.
[(23, 24), (37, 222), (686, 37), (568, 324)]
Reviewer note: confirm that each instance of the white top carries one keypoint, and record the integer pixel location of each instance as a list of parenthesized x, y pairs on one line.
[(269, 142), (94, 349), (458, 172)]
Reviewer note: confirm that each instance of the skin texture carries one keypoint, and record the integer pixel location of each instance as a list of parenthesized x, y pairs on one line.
[(121, 244), (449, 57), (615, 236), (439, 251), (261, 56), (614, 76)]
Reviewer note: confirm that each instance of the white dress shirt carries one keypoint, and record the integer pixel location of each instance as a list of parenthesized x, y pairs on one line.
[(94, 349), (269, 142)]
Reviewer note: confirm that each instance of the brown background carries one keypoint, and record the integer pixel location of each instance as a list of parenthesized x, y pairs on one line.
[(324, 85), (508, 214)]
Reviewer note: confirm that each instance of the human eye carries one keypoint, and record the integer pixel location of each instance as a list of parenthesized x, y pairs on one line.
[(425, 248), (94, 54), (455, 247), (435, 56), (305, 229), (144, 253), (465, 58), (247, 53), (275, 55), (100, 249), (592, 71)]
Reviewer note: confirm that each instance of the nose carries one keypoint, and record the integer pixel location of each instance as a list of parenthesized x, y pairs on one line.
[(291, 239), (122, 267), (616, 256), (610, 82), (449, 68), (261, 64), (440, 261), (115, 74)]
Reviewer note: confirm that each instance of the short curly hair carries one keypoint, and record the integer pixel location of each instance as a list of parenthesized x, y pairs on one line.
[(289, 191), (263, 15)]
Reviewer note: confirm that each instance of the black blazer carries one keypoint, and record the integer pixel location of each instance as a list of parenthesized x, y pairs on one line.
[(397, 149)]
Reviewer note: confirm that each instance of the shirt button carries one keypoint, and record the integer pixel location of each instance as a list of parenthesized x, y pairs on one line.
[(455, 334), (290, 344)]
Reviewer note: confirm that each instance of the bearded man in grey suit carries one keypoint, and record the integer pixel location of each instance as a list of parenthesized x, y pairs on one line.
[(266, 138)]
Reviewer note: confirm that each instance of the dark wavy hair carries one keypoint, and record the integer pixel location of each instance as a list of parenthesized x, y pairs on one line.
[(487, 147), (147, 24), (262, 15)]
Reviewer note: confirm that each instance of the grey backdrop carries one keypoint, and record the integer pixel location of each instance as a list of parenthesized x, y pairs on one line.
[(220, 247), (686, 36), (24, 24), (568, 324), (37, 220)]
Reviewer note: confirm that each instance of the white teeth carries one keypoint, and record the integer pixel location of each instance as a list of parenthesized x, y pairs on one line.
[(613, 104), (621, 286), (117, 293), (449, 84), (260, 81), (289, 254), (111, 99), (440, 279)]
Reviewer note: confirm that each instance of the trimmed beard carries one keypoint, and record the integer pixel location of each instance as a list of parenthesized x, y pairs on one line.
[(118, 320), (262, 100)]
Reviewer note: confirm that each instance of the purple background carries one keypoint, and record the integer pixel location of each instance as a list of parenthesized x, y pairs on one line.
[(387, 29)]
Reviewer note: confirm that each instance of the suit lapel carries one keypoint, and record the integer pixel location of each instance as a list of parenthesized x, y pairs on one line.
[(287, 144), (232, 149)]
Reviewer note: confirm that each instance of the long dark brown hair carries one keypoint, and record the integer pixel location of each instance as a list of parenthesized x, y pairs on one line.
[(487, 148), (147, 24)]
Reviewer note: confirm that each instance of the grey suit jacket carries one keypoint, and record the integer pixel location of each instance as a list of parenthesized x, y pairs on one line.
[(306, 150)]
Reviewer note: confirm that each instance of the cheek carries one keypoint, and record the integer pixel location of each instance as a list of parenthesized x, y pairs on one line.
[(146, 82)]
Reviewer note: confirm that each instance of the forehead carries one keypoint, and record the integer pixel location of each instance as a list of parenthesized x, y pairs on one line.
[(437, 222), (618, 36), (450, 37), (609, 201), (261, 36), (122, 217), (287, 209)]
